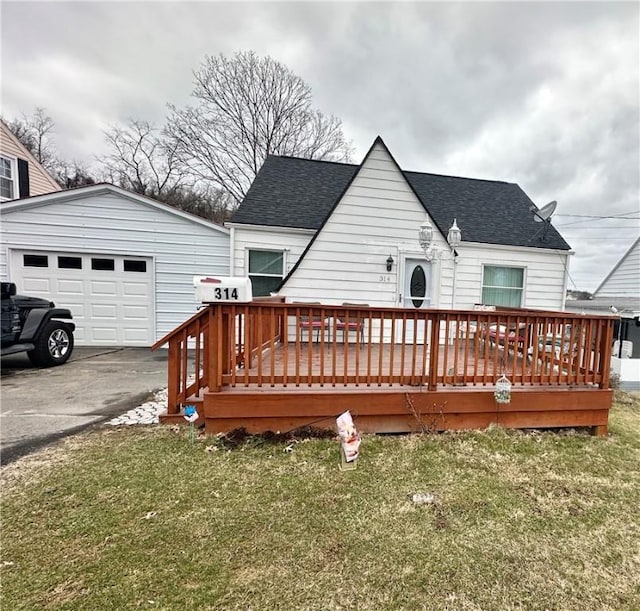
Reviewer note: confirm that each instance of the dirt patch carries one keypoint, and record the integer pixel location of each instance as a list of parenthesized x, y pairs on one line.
[(241, 437)]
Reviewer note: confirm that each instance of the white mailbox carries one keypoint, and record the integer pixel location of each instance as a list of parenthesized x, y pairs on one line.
[(222, 289)]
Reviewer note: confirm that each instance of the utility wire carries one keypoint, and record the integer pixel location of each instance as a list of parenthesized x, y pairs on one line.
[(590, 216), (604, 228), (590, 220)]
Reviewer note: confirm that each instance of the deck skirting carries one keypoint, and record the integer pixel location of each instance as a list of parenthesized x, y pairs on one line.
[(406, 410)]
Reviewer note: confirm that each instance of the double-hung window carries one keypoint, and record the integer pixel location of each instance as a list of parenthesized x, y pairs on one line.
[(266, 270), (502, 286), (8, 178)]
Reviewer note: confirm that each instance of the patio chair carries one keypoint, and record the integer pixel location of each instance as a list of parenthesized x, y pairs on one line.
[(311, 323), (558, 345), (512, 338), (353, 321)]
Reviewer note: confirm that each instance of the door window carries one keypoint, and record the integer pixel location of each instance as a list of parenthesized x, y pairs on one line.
[(418, 286)]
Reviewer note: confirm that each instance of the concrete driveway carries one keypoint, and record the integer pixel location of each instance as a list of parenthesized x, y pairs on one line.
[(41, 405)]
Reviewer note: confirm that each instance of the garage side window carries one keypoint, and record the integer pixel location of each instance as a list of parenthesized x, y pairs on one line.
[(502, 286), (265, 270), (8, 187)]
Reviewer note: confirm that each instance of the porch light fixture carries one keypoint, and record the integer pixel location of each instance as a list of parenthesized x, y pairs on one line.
[(454, 237), (425, 238), (389, 263)]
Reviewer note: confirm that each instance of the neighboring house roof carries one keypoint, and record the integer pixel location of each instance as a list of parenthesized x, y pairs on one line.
[(101, 189), (632, 278), (16, 145), (625, 306), (301, 193)]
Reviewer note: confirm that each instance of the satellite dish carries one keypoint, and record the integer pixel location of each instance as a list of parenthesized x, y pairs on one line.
[(543, 216), (545, 213)]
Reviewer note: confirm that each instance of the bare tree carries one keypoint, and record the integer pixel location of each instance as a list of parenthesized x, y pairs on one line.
[(143, 160), (247, 108), (212, 204), (35, 132), (71, 174)]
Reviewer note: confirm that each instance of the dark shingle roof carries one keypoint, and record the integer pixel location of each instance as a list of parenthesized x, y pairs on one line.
[(292, 192)]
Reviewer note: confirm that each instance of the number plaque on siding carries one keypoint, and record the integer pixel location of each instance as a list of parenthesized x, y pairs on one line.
[(220, 289)]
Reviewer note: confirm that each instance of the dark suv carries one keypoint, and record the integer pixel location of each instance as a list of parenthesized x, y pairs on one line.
[(35, 326)]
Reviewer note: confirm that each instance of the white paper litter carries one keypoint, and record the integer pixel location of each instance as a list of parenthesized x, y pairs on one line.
[(349, 437)]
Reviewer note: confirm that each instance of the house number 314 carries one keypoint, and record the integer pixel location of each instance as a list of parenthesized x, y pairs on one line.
[(226, 293)]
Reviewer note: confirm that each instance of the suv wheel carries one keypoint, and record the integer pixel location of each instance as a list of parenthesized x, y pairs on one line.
[(53, 346)]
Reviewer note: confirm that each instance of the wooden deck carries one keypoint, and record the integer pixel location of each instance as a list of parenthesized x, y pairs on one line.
[(259, 367)]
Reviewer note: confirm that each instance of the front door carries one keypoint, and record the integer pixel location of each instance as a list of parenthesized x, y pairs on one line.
[(416, 295), (417, 284)]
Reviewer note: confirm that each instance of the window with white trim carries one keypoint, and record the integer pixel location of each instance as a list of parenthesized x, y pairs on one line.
[(8, 178), (502, 286), (266, 270)]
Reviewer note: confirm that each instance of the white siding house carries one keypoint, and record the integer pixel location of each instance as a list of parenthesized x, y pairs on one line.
[(620, 291), (367, 215), (123, 263)]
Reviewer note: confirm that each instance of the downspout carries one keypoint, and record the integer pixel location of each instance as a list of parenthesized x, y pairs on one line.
[(232, 246), (453, 287)]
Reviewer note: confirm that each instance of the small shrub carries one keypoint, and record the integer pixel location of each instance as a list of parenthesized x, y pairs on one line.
[(614, 380)]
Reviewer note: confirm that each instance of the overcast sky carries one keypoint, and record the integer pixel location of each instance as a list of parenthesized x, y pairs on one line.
[(543, 94)]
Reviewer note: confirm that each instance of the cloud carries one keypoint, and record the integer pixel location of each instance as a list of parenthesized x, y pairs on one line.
[(544, 94)]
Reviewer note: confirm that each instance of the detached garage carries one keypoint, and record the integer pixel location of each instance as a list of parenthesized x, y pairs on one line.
[(122, 263)]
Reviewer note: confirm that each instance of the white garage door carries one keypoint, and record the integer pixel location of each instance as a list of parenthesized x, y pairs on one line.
[(110, 296)]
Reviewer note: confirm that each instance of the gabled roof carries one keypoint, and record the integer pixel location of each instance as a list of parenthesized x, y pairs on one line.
[(301, 193), (618, 264), (101, 189)]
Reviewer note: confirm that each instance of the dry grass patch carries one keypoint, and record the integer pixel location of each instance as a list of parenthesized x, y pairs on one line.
[(126, 519)]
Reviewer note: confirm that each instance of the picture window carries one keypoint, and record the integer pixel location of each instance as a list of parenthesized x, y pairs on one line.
[(266, 269), (502, 286)]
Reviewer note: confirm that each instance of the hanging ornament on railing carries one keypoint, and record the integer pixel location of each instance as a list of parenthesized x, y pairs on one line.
[(502, 393)]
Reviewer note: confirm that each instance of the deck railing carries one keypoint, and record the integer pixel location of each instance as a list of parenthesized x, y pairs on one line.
[(269, 344)]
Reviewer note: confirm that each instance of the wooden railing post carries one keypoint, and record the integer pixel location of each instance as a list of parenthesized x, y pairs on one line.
[(214, 348), (605, 353), (434, 349), (225, 348), (173, 375)]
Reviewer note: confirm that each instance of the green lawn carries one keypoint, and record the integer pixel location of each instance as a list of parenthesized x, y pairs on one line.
[(140, 518)]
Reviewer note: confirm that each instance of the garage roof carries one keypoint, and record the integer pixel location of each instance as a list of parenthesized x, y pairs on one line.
[(101, 189)]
